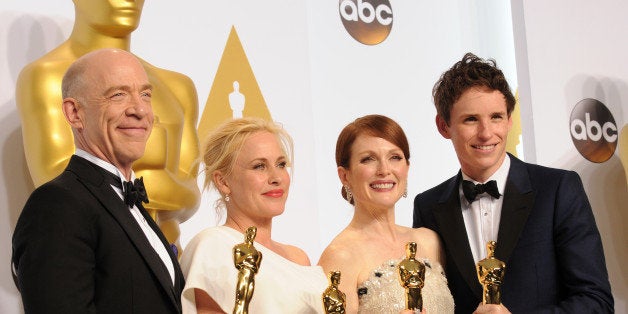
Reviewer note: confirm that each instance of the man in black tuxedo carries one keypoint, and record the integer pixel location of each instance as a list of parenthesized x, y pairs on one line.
[(83, 242), (540, 217)]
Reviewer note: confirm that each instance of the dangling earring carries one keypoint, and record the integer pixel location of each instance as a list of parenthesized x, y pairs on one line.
[(405, 193), (349, 194), (227, 198)]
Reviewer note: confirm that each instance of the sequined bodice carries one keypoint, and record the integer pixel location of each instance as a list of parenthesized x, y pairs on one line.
[(381, 292)]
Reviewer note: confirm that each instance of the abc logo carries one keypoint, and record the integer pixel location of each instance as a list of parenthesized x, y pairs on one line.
[(593, 130), (367, 21)]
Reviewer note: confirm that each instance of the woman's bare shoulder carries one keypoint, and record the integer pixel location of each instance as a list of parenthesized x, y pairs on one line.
[(429, 243), (341, 250)]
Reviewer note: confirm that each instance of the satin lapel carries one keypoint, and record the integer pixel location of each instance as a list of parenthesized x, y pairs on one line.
[(123, 215), (448, 215), (518, 203), (93, 179), (178, 274)]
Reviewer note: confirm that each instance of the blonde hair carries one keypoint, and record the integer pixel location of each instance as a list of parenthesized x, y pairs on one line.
[(223, 146)]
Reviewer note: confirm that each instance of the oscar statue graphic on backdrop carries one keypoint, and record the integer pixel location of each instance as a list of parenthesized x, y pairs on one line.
[(334, 299), (233, 81), (491, 275), (236, 100), (412, 278), (247, 260), (170, 163)]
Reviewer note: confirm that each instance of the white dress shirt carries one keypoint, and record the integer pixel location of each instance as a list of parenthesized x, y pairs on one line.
[(151, 236), (481, 218)]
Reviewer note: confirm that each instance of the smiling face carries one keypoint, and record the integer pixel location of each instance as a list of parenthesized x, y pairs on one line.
[(478, 129), (110, 108), (377, 172), (259, 182)]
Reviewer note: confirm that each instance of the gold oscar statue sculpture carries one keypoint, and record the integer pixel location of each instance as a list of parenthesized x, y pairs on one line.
[(170, 163), (334, 299), (412, 278), (247, 260), (491, 275), (623, 148)]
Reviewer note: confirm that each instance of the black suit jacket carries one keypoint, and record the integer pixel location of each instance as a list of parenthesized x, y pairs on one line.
[(78, 249), (547, 237)]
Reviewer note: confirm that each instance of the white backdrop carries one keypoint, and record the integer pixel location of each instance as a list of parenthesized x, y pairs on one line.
[(568, 51), (314, 77)]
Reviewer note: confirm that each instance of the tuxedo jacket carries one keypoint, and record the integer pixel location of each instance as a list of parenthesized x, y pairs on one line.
[(547, 237), (78, 249)]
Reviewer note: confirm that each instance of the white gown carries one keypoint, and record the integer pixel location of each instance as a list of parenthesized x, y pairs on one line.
[(281, 286), (381, 293)]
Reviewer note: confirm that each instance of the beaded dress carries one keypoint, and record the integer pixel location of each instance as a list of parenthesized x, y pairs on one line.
[(381, 292)]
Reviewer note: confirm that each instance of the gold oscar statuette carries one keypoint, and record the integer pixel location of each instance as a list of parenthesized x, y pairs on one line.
[(247, 261), (412, 278), (491, 274), (334, 299)]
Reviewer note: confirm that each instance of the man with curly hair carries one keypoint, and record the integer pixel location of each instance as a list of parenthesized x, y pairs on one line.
[(540, 217)]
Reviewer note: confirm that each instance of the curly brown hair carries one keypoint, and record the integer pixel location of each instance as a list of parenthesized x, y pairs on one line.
[(471, 71)]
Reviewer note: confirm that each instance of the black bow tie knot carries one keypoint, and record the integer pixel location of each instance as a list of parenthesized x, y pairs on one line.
[(135, 192), (471, 190)]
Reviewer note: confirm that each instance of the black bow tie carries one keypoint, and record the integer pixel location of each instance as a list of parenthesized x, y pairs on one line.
[(134, 192), (471, 190)]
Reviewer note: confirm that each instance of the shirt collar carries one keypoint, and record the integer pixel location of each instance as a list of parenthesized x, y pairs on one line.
[(499, 176), (103, 164)]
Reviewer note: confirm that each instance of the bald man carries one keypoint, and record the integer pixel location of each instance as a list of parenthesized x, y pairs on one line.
[(84, 242)]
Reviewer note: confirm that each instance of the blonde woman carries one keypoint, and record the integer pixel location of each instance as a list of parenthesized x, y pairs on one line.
[(246, 161)]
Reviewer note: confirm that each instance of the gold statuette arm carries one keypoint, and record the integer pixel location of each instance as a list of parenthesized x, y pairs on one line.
[(48, 140), (171, 161)]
